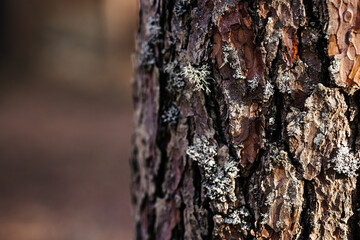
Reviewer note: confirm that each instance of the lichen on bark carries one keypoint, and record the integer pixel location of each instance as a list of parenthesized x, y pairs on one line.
[(315, 133), (246, 120), (276, 196)]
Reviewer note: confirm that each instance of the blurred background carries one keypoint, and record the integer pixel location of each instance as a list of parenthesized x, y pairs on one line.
[(66, 119)]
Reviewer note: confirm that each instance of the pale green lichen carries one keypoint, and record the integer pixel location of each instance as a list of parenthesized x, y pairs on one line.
[(199, 77), (231, 57)]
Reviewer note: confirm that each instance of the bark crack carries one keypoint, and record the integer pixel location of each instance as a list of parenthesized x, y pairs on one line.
[(306, 218)]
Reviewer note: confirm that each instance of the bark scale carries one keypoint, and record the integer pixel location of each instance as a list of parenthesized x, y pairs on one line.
[(246, 123)]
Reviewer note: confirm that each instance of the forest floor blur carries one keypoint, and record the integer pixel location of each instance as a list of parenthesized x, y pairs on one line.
[(64, 164)]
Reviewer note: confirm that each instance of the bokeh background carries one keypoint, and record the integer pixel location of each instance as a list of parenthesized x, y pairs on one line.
[(66, 119)]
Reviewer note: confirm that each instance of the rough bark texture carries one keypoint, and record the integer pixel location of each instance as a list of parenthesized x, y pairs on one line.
[(247, 119)]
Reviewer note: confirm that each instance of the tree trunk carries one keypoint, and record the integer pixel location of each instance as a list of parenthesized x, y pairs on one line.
[(246, 123)]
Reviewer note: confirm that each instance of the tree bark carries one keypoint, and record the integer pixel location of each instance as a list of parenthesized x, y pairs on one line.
[(246, 122)]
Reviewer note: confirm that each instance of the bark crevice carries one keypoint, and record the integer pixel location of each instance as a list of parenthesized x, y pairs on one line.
[(306, 218)]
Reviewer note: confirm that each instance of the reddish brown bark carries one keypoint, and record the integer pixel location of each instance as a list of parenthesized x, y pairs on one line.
[(271, 151)]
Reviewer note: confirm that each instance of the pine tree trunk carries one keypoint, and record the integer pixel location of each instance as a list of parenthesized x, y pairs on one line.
[(246, 123)]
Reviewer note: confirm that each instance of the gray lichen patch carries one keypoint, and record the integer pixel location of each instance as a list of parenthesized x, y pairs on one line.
[(231, 57), (170, 115), (180, 7), (276, 196), (153, 33), (272, 39), (219, 185), (153, 29), (268, 91), (346, 162), (315, 132), (220, 7), (253, 83), (176, 81), (334, 70), (319, 139), (238, 114), (147, 57), (203, 153), (237, 217), (199, 77), (287, 80), (240, 217), (219, 181)]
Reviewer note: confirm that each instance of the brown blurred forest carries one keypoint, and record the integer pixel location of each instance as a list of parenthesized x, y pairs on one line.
[(65, 119)]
